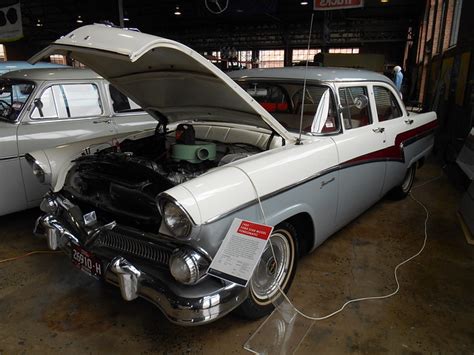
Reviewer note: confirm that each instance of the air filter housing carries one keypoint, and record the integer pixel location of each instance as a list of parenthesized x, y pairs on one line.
[(194, 153)]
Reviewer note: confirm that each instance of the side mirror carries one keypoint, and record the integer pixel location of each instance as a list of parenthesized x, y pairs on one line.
[(361, 101), (38, 103)]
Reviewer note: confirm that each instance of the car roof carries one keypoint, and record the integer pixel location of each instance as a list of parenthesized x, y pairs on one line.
[(49, 74), (312, 73)]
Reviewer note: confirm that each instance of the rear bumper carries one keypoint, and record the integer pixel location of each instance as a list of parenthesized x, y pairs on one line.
[(205, 302)]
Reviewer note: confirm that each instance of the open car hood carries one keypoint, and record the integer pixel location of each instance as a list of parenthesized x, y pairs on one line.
[(162, 76)]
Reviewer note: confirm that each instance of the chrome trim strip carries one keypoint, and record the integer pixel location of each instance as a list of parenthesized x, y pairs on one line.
[(312, 177), (274, 193), (12, 157)]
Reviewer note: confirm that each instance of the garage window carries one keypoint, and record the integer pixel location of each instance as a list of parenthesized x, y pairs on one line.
[(355, 106), (273, 58), (386, 104)]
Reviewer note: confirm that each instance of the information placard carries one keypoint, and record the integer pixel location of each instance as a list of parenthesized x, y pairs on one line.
[(240, 251)]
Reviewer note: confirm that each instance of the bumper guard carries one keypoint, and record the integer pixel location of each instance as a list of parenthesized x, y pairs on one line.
[(198, 304)]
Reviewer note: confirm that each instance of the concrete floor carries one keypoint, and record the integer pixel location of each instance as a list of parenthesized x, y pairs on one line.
[(47, 306)]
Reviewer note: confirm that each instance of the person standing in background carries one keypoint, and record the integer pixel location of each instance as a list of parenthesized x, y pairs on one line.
[(398, 77)]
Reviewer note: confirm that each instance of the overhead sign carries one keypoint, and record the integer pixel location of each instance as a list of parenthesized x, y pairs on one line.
[(337, 4), (240, 251), (11, 27)]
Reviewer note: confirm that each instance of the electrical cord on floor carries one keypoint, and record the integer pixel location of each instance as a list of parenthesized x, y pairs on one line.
[(28, 254), (395, 271)]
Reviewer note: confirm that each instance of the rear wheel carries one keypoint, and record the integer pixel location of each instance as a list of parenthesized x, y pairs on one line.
[(401, 191), (275, 271)]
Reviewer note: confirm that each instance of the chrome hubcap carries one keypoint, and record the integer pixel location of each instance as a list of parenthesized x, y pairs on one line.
[(272, 271)]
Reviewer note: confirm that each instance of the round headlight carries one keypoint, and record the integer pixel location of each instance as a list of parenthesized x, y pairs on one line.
[(38, 172), (176, 220), (184, 267)]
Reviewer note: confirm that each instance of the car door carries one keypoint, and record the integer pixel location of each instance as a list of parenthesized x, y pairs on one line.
[(63, 112), (393, 120), (12, 193), (360, 148), (127, 115)]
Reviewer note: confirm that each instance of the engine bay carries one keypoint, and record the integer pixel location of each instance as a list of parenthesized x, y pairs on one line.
[(121, 182)]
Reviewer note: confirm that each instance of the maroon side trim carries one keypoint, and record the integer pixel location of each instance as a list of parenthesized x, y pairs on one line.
[(395, 152)]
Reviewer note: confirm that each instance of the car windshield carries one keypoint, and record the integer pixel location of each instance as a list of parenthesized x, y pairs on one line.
[(13, 96), (285, 102)]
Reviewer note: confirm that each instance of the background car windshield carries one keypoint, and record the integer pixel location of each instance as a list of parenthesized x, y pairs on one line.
[(13, 96), (285, 102)]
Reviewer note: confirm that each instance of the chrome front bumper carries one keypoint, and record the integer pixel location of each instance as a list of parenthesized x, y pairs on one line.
[(199, 304)]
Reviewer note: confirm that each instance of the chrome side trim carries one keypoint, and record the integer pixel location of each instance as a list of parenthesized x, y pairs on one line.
[(271, 194), (12, 157)]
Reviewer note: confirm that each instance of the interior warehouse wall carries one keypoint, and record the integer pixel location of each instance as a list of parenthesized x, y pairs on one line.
[(449, 88)]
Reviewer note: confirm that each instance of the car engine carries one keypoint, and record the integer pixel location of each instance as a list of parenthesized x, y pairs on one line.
[(122, 182)]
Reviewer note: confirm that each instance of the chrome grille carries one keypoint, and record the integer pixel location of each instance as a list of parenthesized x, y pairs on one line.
[(139, 248)]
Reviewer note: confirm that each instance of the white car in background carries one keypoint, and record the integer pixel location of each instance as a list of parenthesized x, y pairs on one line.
[(44, 108)]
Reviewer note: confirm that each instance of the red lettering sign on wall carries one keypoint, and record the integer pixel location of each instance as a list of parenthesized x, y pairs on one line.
[(337, 4)]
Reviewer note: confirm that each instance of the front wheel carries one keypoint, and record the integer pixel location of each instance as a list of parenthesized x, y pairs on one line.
[(274, 272), (401, 191)]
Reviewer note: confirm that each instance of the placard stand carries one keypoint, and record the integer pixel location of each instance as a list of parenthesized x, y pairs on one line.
[(281, 333)]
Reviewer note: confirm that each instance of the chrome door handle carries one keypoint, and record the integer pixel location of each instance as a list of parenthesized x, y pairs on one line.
[(379, 130), (109, 121), (409, 121)]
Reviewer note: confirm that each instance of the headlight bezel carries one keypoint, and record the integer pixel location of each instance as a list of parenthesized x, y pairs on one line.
[(163, 201), (38, 170)]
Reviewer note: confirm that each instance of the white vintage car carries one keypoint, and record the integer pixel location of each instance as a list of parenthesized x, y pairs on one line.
[(150, 213), (44, 108)]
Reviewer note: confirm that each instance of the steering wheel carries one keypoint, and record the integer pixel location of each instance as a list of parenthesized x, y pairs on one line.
[(5, 108)]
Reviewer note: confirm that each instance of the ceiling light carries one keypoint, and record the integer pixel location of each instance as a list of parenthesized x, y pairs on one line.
[(126, 19), (79, 19), (304, 3), (383, 0), (177, 11)]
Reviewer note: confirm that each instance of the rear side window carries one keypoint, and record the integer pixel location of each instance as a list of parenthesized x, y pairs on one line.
[(68, 101), (386, 104), (121, 103), (355, 106)]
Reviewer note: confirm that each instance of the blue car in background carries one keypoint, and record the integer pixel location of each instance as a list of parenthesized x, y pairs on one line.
[(11, 65)]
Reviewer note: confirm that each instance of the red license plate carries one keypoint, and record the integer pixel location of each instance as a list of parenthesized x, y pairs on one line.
[(86, 261)]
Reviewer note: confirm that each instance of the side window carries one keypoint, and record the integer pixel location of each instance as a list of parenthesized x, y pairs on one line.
[(121, 103), (45, 106), (81, 100), (386, 104), (68, 101), (312, 108), (355, 106)]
